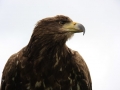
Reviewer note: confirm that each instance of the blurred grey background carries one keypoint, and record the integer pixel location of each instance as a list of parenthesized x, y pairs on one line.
[(100, 46)]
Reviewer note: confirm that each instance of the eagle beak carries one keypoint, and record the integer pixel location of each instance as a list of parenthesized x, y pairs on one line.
[(74, 27)]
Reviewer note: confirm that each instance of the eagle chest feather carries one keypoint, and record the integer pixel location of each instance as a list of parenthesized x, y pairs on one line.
[(55, 70)]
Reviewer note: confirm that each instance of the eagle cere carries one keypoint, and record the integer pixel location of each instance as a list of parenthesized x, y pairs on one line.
[(46, 63)]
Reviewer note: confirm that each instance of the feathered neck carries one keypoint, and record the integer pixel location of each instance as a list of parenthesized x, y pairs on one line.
[(46, 45)]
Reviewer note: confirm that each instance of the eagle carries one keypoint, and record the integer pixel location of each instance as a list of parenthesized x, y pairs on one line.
[(46, 63)]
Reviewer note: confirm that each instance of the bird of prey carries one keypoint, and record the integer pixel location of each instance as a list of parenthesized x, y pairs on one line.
[(46, 63)]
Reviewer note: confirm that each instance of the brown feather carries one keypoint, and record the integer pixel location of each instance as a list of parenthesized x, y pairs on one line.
[(46, 63)]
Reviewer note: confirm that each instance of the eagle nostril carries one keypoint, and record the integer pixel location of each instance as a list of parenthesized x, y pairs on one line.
[(74, 23)]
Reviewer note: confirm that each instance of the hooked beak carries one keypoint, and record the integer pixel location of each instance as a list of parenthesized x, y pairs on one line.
[(74, 27)]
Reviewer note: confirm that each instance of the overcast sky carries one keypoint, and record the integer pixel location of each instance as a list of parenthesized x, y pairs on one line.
[(100, 46)]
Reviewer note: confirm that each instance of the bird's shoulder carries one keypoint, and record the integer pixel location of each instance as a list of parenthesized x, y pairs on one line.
[(80, 69), (10, 65), (10, 71), (77, 59)]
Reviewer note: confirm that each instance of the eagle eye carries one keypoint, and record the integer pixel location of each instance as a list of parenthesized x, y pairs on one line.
[(62, 22)]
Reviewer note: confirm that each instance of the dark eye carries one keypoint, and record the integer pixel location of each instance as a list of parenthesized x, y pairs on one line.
[(61, 22)]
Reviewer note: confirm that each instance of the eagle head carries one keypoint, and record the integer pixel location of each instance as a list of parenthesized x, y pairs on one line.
[(58, 28)]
